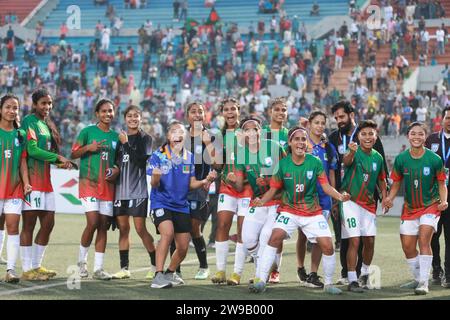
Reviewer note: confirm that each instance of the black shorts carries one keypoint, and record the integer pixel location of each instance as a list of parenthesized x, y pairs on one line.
[(199, 210), (181, 221), (131, 208)]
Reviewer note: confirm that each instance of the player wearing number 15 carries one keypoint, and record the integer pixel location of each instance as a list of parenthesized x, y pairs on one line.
[(96, 146), (364, 170), (425, 197), (13, 178), (297, 176), (43, 142)]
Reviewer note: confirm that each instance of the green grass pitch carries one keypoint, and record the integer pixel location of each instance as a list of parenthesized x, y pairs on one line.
[(62, 253)]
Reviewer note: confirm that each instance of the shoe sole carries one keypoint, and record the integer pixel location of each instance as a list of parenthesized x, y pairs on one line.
[(120, 278), (166, 286), (312, 286), (218, 281), (232, 283), (274, 282), (420, 292), (201, 278), (104, 279), (13, 280)]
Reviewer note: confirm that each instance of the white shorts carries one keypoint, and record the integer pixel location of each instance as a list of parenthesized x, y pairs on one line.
[(312, 227), (11, 206), (357, 221), (233, 204), (38, 200), (93, 204), (411, 227), (261, 215)]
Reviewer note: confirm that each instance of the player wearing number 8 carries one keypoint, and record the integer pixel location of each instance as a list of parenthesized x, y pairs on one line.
[(261, 156), (297, 176), (96, 146), (425, 197), (364, 170)]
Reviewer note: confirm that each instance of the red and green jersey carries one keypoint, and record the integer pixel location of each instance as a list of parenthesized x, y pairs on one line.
[(12, 151), (280, 136), (40, 153), (93, 166), (299, 184), (361, 178), (421, 187), (261, 164), (231, 148)]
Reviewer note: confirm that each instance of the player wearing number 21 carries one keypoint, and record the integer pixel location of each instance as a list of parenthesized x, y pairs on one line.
[(96, 146), (297, 176), (425, 197)]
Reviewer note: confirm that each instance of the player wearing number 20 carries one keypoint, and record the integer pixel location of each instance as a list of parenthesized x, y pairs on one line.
[(364, 170), (425, 197), (297, 176), (96, 146)]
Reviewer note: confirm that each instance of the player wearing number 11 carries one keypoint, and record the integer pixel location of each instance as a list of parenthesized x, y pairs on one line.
[(364, 170), (297, 176), (96, 146), (425, 197)]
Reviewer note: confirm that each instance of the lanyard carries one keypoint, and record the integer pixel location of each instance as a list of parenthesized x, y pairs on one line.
[(344, 139), (444, 155)]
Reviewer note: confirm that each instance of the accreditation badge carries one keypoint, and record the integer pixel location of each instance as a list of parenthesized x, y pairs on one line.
[(446, 176)]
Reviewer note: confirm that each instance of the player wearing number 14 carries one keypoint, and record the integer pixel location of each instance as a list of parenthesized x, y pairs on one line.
[(364, 170)]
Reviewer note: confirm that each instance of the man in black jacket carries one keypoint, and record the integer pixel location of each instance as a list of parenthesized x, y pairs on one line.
[(344, 114), (439, 143)]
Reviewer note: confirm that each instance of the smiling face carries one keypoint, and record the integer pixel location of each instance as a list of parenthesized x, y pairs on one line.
[(317, 125), (231, 114), (367, 137), (251, 132), (417, 136), (10, 110), (278, 113), (44, 106), (196, 116), (133, 120), (176, 135), (298, 143), (105, 113)]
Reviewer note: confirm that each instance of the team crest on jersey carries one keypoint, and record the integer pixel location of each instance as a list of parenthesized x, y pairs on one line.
[(434, 147), (165, 169), (287, 176), (16, 142), (309, 175), (186, 169), (114, 144), (268, 161), (426, 171), (374, 166)]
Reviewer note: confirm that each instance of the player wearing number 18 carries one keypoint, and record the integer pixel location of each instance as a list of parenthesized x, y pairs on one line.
[(364, 170), (96, 146), (43, 142), (13, 178), (297, 176), (425, 197)]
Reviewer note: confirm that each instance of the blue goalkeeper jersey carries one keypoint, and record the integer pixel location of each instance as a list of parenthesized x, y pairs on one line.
[(175, 179)]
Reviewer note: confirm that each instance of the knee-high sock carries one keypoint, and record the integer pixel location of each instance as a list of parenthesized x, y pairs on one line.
[(221, 255)]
